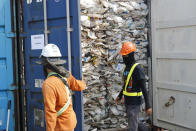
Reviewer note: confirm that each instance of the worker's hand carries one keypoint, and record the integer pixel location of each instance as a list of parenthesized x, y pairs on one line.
[(149, 111), (118, 100)]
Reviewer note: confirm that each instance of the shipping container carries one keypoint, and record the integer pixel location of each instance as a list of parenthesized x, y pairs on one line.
[(8, 67), (172, 38), (43, 22), (173, 64)]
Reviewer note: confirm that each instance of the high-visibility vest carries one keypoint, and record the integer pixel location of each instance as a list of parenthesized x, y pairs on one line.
[(127, 82), (64, 108)]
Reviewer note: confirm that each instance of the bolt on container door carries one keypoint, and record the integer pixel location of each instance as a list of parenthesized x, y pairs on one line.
[(34, 42), (7, 67), (173, 64)]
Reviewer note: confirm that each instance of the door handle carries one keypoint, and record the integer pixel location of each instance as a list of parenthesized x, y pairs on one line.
[(170, 101)]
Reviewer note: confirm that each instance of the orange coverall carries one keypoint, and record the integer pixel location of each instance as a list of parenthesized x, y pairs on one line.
[(55, 97)]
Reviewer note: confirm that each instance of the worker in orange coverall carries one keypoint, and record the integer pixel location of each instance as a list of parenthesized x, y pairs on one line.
[(59, 113)]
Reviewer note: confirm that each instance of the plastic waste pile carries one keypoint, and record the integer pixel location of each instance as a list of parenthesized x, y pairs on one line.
[(105, 25)]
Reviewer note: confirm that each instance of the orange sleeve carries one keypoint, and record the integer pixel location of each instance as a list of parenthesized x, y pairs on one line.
[(49, 104), (75, 85)]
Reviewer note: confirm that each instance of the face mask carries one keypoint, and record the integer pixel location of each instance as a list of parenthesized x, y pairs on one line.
[(126, 60), (129, 59)]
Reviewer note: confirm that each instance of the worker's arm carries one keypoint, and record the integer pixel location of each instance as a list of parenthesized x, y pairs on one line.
[(140, 79), (49, 105), (74, 84), (142, 85), (118, 99), (121, 93)]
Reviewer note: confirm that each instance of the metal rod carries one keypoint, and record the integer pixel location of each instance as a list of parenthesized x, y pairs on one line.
[(45, 23), (8, 115), (8, 119), (68, 35)]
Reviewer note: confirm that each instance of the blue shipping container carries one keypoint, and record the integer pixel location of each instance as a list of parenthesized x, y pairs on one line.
[(34, 40), (8, 87)]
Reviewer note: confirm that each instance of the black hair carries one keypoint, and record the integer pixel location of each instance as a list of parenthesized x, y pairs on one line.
[(60, 69)]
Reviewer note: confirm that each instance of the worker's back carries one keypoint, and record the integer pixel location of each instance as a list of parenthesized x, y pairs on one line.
[(55, 89)]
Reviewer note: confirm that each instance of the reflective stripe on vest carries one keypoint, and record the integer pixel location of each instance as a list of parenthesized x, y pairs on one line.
[(127, 82), (64, 108)]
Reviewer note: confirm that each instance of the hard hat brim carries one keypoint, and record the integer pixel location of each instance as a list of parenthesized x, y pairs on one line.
[(122, 53), (59, 62)]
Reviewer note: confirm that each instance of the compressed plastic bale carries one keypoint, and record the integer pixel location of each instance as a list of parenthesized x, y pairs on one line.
[(128, 6), (94, 129), (112, 23), (114, 110), (135, 5), (114, 120), (92, 35), (86, 127), (86, 22), (88, 3)]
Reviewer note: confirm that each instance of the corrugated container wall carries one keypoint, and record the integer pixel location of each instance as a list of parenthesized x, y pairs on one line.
[(8, 70)]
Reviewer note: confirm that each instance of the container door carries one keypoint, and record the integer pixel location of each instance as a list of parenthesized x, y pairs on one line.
[(34, 42), (7, 67), (174, 64)]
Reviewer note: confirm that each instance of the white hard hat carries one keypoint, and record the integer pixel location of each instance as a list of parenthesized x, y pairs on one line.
[(52, 54), (51, 50)]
